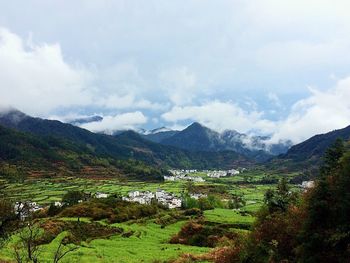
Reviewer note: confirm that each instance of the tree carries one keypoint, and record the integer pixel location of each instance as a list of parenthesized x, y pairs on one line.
[(326, 231), (204, 204), (236, 202), (189, 202), (72, 197), (190, 187), (279, 199), (7, 219), (12, 173), (331, 157), (27, 249), (62, 250)]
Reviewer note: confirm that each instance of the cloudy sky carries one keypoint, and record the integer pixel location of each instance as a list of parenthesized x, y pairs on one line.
[(258, 66)]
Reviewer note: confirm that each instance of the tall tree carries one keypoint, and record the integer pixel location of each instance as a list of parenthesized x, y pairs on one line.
[(325, 236)]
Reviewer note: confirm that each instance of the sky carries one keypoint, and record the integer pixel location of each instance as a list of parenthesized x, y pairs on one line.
[(279, 68)]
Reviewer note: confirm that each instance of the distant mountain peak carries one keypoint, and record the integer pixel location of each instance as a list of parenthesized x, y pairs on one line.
[(197, 137), (196, 125)]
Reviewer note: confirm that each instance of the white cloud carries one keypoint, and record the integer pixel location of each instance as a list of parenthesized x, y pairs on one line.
[(36, 79), (179, 84), (124, 121), (322, 112), (128, 101), (147, 56), (297, 54), (220, 116), (274, 99)]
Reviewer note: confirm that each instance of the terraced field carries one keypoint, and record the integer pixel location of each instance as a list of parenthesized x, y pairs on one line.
[(149, 241)]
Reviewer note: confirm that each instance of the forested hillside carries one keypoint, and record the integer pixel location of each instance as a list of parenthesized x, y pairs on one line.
[(23, 154), (127, 145)]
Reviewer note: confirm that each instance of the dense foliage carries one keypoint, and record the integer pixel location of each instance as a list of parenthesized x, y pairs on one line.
[(124, 146), (315, 228), (197, 233), (24, 153), (112, 209)]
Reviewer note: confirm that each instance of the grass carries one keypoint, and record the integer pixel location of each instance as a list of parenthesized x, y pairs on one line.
[(148, 243), (45, 191), (227, 216)]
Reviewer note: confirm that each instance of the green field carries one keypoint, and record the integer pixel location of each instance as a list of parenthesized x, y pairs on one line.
[(45, 191), (227, 216), (149, 240)]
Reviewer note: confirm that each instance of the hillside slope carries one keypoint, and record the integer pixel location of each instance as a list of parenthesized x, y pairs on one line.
[(197, 137), (309, 153), (127, 145), (26, 154)]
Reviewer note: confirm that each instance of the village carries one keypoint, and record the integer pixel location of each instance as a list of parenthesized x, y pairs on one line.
[(26, 208), (222, 173), (185, 175), (167, 199)]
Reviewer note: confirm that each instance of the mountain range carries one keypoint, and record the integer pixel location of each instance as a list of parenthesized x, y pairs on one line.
[(194, 147), (197, 137), (124, 146)]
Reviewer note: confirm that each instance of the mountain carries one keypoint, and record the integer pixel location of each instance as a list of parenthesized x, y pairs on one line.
[(24, 154), (176, 157), (310, 152), (158, 135), (125, 146), (197, 137)]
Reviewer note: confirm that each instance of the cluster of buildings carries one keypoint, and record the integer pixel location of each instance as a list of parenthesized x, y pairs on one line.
[(25, 209), (222, 173), (184, 177), (307, 185), (160, 196), (181, 175), (182, 172)]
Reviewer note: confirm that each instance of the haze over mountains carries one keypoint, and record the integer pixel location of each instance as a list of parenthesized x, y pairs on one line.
[(194, 147), (197, 137), (124, 146)]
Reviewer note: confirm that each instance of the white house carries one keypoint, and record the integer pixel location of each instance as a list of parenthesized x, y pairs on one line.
[(169, 178), (24, 209), (308, 184), (58, 204), (232, 172), (160, 194), (175, 203), (101, 195), (197, 196), (133, 194)]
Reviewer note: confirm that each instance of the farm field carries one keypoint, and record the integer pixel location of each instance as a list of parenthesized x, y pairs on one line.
[(46, 190), (149, 240), (148, 243)]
